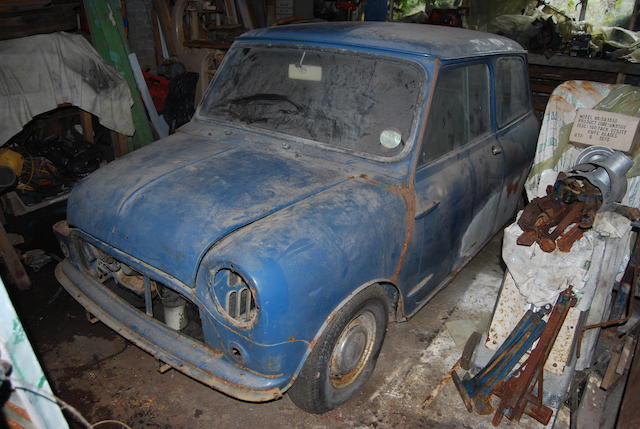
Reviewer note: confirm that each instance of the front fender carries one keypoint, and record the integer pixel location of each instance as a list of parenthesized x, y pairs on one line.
[(303, 261)]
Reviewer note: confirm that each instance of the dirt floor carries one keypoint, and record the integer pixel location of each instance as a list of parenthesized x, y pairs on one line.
[(106, 377)]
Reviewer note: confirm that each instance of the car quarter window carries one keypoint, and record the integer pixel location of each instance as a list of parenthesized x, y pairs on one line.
[(459, 110), (512, 97)]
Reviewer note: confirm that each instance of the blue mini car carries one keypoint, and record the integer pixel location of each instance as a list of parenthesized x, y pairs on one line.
[(334, 177)]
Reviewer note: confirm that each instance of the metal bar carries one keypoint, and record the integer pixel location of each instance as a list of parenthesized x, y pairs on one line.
[(148, 301)]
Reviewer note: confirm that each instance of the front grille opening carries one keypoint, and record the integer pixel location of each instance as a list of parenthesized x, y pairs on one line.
[(164, 305), (168, 306), (241, 305)]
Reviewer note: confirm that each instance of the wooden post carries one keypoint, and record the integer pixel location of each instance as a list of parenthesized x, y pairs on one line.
[(15, 270), (86, 120), (121, 145)]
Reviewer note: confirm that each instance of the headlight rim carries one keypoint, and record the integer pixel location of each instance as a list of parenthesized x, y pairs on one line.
[(220, 306)]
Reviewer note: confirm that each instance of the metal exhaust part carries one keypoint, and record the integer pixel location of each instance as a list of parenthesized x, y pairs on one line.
[(605, 169)]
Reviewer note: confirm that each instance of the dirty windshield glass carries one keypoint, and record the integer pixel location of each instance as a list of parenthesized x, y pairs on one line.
[(357, 102)]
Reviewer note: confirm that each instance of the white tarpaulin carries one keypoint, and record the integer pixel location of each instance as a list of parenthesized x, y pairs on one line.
[(38, 73), (541, 276)]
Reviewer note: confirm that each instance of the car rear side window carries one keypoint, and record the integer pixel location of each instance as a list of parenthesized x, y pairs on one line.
[(512, 91), (459, 111)]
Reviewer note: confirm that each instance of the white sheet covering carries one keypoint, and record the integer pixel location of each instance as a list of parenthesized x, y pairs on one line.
[(38, 73), (541, 276)]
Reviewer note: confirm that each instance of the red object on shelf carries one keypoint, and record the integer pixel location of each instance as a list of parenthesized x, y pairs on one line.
[(446, 17), (159, 89), (349, 6)]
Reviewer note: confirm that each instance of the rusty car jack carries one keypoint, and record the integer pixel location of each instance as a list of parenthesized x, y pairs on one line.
[(516, 394), (476, 392)]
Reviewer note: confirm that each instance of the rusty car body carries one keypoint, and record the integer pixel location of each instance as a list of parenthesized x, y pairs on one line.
[(334, 176)]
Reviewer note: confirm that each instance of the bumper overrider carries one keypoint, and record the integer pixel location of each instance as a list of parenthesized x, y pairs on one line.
[(192, 357)]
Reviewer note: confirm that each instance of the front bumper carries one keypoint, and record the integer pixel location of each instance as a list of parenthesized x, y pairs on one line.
[(178, 350)]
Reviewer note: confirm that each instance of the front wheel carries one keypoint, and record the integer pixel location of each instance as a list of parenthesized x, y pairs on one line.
[(345, 355)]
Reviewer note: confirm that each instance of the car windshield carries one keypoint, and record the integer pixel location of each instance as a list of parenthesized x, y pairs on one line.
[(359, 102)]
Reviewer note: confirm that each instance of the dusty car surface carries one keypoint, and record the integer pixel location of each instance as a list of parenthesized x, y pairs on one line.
[(334, 177)]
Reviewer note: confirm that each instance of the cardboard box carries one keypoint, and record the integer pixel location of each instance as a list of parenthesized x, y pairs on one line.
[(600, 128)]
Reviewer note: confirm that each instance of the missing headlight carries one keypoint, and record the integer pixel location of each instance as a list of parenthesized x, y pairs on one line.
[(234, 296)]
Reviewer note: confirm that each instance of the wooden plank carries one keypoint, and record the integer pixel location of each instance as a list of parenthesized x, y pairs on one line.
[(157, 41), (629, 416), (625, 356), (162, 9), (588, 64), (107, 34), (206, 44), (592, 403), (564, 74), (610, 376), (10, 6), (15, 270), (47, 20), (246, 12), (230, 12), (121, 145)]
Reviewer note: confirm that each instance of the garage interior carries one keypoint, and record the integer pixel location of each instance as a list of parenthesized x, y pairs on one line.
[(539, 329)]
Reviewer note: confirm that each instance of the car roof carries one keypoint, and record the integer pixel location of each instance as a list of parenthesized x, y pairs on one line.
[(427, 40)]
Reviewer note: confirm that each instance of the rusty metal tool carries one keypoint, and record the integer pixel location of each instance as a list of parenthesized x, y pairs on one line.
[(570, 201), (475, 392), (516, 394)]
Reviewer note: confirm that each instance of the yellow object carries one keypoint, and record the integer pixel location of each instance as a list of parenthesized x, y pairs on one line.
[(11, 159)]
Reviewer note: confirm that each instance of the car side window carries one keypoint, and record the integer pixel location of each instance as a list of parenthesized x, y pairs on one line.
[(459, 111), (512, 97)]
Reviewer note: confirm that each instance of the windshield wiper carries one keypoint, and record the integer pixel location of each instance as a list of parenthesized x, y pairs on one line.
[(266, 97)]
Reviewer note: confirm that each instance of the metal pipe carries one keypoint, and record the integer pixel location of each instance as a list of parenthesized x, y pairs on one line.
[(148, 301)]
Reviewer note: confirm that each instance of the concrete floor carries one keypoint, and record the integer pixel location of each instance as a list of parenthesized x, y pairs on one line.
[(106, 377)]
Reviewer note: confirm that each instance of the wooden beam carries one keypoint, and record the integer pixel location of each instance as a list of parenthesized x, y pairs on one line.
[(86, 121), (163, 12), (629, 416), (15, 270), (121, 145), (39, 21)]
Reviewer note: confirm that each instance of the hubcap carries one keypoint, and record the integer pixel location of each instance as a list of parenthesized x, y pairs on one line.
[(352, 350)]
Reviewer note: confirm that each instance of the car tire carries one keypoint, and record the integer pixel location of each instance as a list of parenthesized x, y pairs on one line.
[(345, 355)]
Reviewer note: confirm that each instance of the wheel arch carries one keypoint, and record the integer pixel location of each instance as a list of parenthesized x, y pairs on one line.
[(394, 303)]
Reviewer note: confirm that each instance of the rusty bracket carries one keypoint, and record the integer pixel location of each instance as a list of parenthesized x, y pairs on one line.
[(569, 201)]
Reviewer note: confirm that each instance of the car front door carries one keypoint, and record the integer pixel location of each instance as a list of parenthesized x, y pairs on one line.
[(457, 172), (517, 130)]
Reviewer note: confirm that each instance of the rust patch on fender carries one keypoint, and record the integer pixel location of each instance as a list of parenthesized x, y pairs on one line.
[(368, 180)]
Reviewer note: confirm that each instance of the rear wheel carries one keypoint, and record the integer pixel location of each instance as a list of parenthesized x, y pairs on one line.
[(345, 355)]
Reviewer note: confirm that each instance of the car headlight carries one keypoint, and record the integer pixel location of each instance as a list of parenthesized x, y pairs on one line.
[(233, 296)]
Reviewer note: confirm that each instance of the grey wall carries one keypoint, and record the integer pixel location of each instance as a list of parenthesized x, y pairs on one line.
[(141, 32)]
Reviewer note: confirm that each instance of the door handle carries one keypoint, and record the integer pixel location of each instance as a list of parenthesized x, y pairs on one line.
[(496, 150)]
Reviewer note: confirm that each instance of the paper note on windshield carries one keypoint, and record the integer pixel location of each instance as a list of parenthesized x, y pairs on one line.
[(305, 72)]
